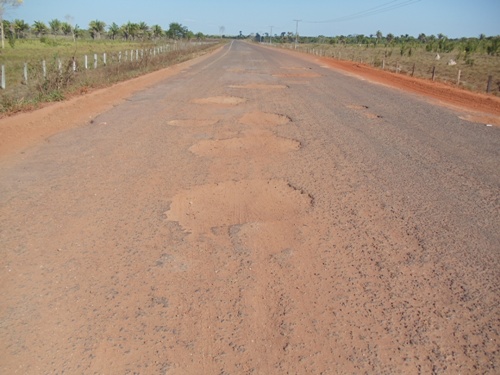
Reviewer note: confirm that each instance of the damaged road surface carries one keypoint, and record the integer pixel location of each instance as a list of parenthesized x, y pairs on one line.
[(255, 213)]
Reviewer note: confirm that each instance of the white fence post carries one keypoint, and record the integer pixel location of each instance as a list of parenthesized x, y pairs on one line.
[(44, 68), (25, 73), (104, 58), (86, 62), (95, 60), (120, 56), (3, 77)]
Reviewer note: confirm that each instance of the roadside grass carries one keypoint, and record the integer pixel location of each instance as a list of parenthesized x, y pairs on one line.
[(61, 81), (475, 68)]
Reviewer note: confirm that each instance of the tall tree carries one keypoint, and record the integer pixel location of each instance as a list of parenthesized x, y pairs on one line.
[(157, 31), (177, 31), (143, 30), (55, 26), (21, 28), (96, 28), (40, 28), (129, 30), (422, 38), (4, 5), (113, 30), (66, 28)]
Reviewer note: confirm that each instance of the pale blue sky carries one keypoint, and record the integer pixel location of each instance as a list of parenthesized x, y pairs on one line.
[(454, 18)]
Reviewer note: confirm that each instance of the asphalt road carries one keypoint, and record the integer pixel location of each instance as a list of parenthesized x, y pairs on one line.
[(258, 213)]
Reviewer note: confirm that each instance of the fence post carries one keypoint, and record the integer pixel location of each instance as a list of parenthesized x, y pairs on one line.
[(95, 60), (25, 73), (86, 62), (120, 56), (74, 65), (59, 65), (433, 73), (104, 58), (44, 68), (458, 78), (488, 86), (136, 54), (3, 77)]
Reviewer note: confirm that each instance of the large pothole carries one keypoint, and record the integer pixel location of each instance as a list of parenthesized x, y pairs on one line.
[(259, 86), (236, 202), (192, 123), (264, 119), (264, 143), (221, 100)]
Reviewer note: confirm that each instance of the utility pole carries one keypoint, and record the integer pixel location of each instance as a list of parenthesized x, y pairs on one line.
[(271, 35), (296, 32)]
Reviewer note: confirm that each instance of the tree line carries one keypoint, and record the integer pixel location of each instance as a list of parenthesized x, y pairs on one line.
[(19, 29), (432, 43)]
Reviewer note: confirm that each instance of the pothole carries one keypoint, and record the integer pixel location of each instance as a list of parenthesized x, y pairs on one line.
[(251, 145), (224, 100), (236, 202), (193, 123), (264, 119), (259, 86)]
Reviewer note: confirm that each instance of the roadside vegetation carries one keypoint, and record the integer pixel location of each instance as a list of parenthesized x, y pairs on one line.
[(469, 63), (50, 61)]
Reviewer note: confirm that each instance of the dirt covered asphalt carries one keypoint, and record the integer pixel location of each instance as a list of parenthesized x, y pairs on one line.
[(252, 211)]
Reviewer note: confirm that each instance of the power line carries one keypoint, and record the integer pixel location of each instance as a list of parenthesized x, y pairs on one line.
[(386, 7)]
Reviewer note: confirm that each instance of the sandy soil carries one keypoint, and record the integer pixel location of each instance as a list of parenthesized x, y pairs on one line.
[(212, 225)]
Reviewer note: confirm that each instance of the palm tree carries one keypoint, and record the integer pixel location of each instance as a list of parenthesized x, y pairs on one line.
[(40, 28), (77, 32), (66, 28), (129, 30), (157, 31), (143, 29), (21, 28), (55, 26), (113, 30), (96, 28), (379, 36)]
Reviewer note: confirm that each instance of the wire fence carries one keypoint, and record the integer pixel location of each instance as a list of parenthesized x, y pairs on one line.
[(475, 72), (29, 72)]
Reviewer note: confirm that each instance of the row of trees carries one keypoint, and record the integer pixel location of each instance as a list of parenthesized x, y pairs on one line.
[(19, 29), (432, 43)]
